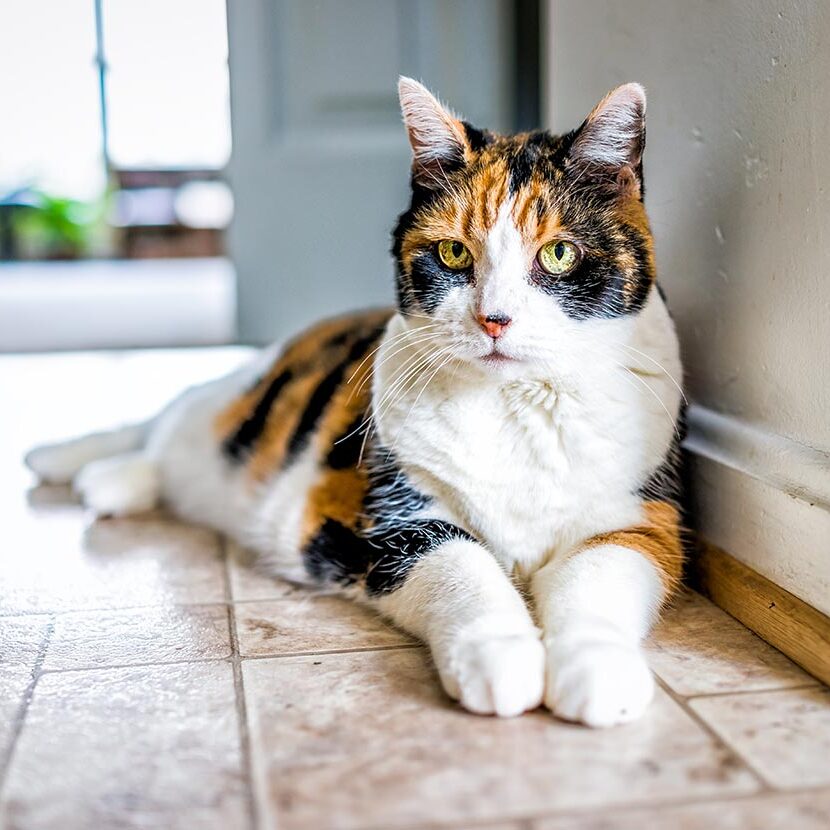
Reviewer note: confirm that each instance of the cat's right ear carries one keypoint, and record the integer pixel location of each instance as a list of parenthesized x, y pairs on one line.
[(609, 145), (437, 137)]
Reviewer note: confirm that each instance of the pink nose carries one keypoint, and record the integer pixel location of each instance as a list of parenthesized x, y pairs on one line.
[(494, 325)]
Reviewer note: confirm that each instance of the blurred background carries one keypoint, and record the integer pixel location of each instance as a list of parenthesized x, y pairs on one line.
[(193, 172), (179, 172)]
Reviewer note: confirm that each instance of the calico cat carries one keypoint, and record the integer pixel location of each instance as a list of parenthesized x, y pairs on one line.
[(493, 464)]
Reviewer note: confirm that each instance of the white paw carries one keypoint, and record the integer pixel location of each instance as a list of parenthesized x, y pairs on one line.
[(119, 486), (501, 675), (54, 463), (598, 684)]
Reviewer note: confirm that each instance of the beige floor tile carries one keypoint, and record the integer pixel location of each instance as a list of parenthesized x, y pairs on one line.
[(784, 735), (142, 747), (487, 825), (699, 649), (249, 584), (140, 635), (805, 811), (368, 739), (307, 623), (21, 640), (55, 560), (14, 680)]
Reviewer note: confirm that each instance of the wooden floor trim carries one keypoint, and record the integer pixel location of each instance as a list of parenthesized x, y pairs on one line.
[(777, 616)]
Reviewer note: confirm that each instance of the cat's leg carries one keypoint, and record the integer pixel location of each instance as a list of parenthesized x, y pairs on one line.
[(60, 463), (121, 485), (456, 598), (595, 607)]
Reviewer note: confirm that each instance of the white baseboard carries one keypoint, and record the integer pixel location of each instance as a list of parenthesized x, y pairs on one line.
[(765, 499)]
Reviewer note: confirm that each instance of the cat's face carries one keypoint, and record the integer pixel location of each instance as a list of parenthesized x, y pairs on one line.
[(515, 246)]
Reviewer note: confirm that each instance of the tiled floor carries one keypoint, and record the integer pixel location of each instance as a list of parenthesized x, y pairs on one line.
[(149, 679)]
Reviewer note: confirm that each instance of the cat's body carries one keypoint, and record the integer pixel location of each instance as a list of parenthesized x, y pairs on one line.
[(499, 432)]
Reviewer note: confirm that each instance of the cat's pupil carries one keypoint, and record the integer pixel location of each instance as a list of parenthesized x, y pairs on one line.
[(559, 250), (457, 249)]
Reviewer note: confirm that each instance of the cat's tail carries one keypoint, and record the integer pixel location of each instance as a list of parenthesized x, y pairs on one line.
[(60, 463)]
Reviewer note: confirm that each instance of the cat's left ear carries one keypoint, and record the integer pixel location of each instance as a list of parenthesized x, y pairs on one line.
[(436, 135), (612, 138)]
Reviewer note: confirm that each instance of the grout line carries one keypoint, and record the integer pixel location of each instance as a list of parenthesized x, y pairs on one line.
[(653, 807), (239, 692), (816, 684), (23, 709), (521, 823), (713, 733), (768, 784), (529, 821), (330, 651), (108, 608), (225, 658), (304, 594), (147, 664)]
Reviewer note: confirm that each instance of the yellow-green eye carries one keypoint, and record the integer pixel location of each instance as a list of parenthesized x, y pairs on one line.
[(558, 257), (454, 254)]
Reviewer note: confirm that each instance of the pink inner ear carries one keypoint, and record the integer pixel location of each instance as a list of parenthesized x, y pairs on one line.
[(627, 183), (613, 133), (435, 134)]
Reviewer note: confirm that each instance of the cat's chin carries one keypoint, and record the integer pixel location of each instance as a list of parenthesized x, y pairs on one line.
[(499, 365), (497, 359)]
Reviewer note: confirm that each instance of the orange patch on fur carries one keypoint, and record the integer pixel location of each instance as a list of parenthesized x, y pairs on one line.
[(658, 539), (466, 213), (310, 357), (282, 421), (338, 494)]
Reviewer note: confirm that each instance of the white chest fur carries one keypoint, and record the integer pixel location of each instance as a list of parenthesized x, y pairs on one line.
[(533, 465)]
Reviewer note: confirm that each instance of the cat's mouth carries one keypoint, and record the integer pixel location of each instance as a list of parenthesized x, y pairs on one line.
[(497, 358)]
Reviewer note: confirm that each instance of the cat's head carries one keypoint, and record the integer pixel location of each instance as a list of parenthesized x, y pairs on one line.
[(512, 244)]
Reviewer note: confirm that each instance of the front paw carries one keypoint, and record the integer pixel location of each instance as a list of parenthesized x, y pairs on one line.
[(598, 684), (502, 675)]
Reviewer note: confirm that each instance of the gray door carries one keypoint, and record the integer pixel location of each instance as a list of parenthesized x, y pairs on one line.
[(320, 161)]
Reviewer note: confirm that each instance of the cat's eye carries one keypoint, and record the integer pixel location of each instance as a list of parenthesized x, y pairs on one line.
[(454, 254), (558, 257)]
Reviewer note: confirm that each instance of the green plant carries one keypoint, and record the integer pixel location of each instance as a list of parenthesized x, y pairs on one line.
[(56, 227)]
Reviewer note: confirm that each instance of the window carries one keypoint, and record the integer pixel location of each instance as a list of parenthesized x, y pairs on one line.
[(166, 90), (49, 98), (167, 83)]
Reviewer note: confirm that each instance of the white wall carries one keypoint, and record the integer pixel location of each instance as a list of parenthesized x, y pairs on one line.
[(737, 173)]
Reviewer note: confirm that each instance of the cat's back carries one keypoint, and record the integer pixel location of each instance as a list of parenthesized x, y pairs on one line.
[(224, 447)]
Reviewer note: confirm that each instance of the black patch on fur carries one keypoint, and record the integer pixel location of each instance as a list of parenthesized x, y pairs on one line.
[(396, 552), (321, 396), (476, 138), (541, 153), (594, 289), (390, 497), (241, 443), (523, 159), (638, 295), (382, 562), (345, 451), (430, 281), (598, 288), (339, 339), (666, 482), (336, 554), (389, 542), (671, 483)]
